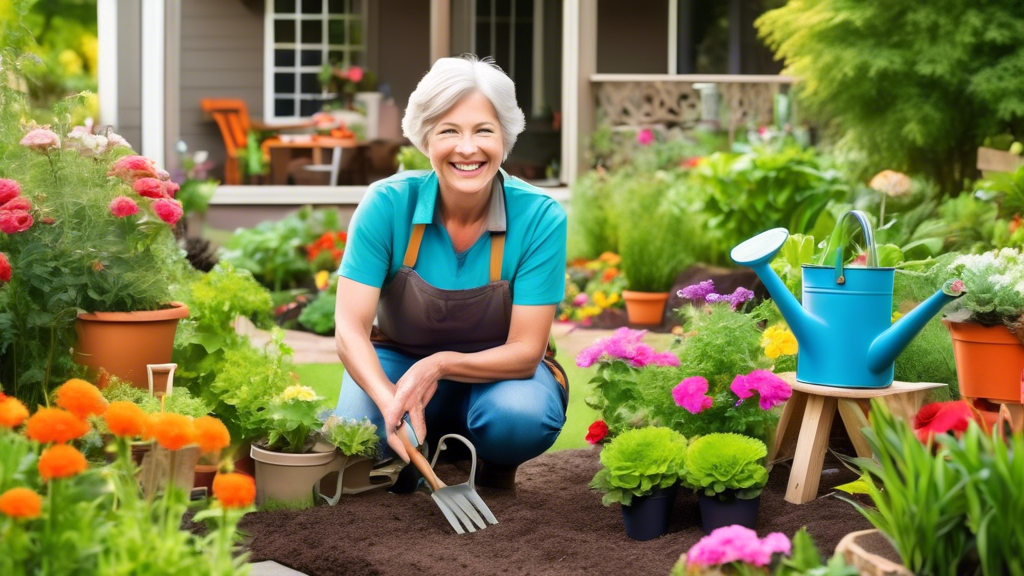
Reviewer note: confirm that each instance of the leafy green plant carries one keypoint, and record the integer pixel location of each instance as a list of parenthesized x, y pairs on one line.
[(637, 461), (726, 465), (318, 315), (594, 227), (995, 287), (180, 401), (291, 420), (352, 437), (410, 158), (655, 240)]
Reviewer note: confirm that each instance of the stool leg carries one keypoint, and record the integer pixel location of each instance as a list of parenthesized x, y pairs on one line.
[(854, 421), (810, 449), (788, 429)]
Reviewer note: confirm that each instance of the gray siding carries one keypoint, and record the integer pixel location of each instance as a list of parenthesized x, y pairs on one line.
[(632, 37), (221, 57), (129, 72), (403, 45)]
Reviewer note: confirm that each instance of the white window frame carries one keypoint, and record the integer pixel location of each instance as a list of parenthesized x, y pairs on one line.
[(269, 69)]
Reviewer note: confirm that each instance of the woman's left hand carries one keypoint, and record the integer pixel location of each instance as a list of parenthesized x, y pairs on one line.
[(412, 394)]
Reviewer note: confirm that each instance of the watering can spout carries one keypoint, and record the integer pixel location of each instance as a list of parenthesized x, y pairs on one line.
[(889, 344), (757, 253)]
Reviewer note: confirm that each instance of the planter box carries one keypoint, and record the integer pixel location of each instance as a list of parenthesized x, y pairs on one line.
[(871, 552), (993, 160)]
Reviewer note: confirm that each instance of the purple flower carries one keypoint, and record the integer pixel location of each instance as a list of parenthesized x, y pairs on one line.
[(697, 292), (691, 395), (739, 296), (772, 390), (625, 345), (736, 544)]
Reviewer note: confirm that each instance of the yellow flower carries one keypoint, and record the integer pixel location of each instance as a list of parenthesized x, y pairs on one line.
[(600, 299), (322, 279), (589, 311), (896, 316), (297, 391), (90, 48), (71, 62), (610, 258), (614, 298), (778, 341)]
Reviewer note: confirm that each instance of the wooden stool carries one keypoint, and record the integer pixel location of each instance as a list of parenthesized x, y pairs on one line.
[(813, 407)]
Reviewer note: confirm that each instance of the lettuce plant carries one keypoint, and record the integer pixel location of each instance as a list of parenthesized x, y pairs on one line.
[(726, 465), (638, 461), (352, 437), (292, 419), (995, 287)]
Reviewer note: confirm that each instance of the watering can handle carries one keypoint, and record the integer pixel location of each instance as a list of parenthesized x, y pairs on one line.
[(869, 240)]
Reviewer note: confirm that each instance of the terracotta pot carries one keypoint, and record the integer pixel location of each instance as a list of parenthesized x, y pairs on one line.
[(870, 552), (645, 308), (123, 343), (989, 361), (289, 478)]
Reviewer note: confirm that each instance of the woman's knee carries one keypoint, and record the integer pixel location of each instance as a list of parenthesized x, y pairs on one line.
[(513, 426)]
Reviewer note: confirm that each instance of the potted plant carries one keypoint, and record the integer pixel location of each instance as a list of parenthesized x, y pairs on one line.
[(358, 443), (88, 255), (738, 550), (292, 457), (653, 238), (727, 472), (641, 471), (987, 325)]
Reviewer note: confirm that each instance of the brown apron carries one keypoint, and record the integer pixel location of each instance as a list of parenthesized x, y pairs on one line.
[(421, 319)]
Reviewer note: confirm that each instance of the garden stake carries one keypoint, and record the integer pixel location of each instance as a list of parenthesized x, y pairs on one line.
[(460, 504)]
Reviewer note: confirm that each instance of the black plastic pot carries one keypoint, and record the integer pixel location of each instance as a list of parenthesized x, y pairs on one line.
[(647, 517), (715, 513)]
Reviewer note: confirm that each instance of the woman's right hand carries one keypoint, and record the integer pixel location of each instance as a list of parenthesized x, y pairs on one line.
[(394, 442)]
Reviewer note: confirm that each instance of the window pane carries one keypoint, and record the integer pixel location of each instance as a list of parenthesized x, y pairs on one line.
[(309, 107), (524, 9), (312, 6), (336, 6), (501, 46), (355, 28), (284, 6), (483, 39), (309, 84), (355, 58), (336, 57), (483, 8), (503, 8), (284, 107), (312, 31), (284, 82), (284, 57), (311, 57), (284, 30), (336, 32)]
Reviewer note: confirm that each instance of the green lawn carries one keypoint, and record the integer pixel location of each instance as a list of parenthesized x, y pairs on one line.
[(326, 380)]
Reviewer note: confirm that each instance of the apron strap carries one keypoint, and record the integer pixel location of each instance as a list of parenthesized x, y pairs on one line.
[(497, 253), (412, 251)]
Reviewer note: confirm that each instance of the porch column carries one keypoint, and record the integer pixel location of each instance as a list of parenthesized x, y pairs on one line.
[(153, 59), (440, 29), (579, 62), (106, 28)]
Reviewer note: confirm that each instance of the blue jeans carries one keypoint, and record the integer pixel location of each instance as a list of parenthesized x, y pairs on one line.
[(508, 422)]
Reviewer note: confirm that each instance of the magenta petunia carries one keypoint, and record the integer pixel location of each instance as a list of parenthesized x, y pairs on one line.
[(736, 544), (9, 190), (645, 137), (625, 345), (15, 221), (772, 390), (168, 210), (123, 206), (691, 394)]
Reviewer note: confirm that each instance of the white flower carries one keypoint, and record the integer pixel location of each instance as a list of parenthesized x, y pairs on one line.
[(114, 140), (299, 392), (85, 142), (201, 156)]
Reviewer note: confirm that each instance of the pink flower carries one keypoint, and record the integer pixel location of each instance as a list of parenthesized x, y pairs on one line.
[(691, 395), (625, 345), (168, 210), (777, 543), (579, 300), (131, 168), (5, 268), (171, 188), (162, 174), (773, 391), (150, 188), (15, 221), (597, 431), (41, 140), (736, 544), (9, 190), (20, 203), (355, 74), (123, 206), (645, 137)]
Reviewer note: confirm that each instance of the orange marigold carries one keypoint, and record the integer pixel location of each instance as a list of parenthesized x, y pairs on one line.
[(234, 490), (125, 419), (21, 503), (81, 398), (12, 412), (61, 461), (172, 431), (55, 425), (211, 434)]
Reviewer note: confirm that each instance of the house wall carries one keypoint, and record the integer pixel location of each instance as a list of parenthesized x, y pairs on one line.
[(632, 37), (402, 45), (129, 72)]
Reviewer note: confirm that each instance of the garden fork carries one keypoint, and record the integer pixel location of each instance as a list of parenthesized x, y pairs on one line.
[(460, 504)]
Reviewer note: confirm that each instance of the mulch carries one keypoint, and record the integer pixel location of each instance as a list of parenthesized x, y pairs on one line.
[(551, 524)]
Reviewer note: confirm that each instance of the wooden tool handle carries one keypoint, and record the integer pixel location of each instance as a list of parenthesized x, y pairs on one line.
[(418, 460)]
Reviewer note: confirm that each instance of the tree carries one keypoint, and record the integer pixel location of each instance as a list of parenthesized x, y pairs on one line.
[(909, 85)]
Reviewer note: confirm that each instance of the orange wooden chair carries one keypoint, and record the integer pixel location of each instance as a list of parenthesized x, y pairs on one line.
[(232, 117)]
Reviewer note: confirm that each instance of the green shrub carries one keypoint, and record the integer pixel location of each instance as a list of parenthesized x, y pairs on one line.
[(318, 315), (726, 465), (410, 158), (656, 240), (637, 461), (594, 225)]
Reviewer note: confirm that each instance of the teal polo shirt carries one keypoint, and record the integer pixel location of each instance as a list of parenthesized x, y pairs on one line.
[(535, 237)]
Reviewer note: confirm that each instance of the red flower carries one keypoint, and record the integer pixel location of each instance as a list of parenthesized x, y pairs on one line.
[(123, 206), (940, 418), (131, 168), (5, 268), (19, 203), (150, 188), (597, 431), (355, 74), (15, 221), (168, 210), (1014, 224), (9, 190), (693, 162)]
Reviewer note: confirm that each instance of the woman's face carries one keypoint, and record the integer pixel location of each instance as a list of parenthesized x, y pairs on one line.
[(466, 145)]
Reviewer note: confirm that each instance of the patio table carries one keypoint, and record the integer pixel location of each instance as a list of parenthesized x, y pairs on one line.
[(279, 162)]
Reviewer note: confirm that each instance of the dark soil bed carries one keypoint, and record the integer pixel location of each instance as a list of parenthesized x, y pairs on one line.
[(551, 524)]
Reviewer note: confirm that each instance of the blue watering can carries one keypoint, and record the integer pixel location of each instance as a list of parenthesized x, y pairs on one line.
[(844, 328)]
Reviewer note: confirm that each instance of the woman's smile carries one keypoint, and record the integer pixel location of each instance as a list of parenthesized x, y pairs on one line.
[(468, 169)]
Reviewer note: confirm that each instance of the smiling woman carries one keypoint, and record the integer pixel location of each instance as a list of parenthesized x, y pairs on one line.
[(462, 267)]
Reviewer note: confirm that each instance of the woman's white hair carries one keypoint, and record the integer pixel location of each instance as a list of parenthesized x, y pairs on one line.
[(451, 79)]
